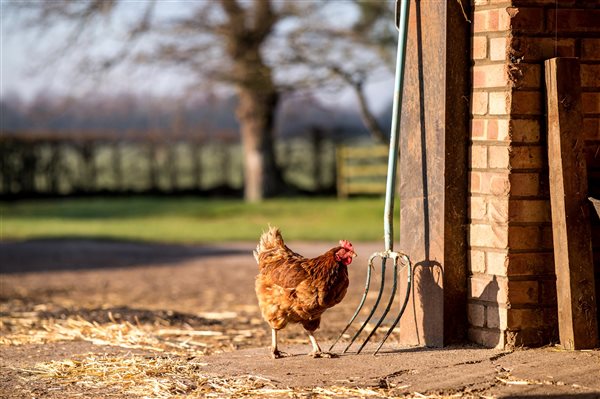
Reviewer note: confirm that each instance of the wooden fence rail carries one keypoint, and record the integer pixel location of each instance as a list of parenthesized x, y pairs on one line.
[(361, 170)]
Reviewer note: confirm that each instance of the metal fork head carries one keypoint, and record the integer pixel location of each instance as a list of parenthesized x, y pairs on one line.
[(401, 260)]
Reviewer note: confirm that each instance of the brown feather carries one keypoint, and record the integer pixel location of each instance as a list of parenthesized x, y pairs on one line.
[(294, 289)]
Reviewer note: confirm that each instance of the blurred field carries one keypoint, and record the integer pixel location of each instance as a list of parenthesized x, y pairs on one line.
[(193, 220)]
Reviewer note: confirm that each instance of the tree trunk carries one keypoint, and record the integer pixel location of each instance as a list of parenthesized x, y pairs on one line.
[(262, 175), (258, 96)]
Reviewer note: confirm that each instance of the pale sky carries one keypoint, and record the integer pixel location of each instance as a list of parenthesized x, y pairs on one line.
[(26, 72)]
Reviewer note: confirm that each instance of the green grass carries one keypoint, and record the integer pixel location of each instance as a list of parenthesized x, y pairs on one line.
[(193, 220)]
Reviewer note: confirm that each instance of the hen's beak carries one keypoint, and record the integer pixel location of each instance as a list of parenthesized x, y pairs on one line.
[(354, 254)]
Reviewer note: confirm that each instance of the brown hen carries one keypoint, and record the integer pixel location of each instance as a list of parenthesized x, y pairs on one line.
[(294, 289)]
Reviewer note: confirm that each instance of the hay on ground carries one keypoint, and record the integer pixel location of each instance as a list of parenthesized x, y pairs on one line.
[(175, 376)]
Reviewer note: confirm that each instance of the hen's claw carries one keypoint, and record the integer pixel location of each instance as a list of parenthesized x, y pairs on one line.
[(319, 355), (277, 354)]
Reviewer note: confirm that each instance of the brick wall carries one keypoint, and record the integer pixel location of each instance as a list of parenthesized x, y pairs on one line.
[(512, 292)]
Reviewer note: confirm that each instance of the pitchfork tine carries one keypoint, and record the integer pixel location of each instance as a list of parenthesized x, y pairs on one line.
[(402, 7), (387, 308), (379, 295), (360, 305), (408, 288)]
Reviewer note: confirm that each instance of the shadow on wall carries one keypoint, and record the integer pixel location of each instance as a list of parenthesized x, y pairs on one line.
[(491, 314), (428, 276)]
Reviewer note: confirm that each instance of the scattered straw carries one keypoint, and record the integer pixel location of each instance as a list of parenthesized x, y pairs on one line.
[(27, 328), (176, 376)]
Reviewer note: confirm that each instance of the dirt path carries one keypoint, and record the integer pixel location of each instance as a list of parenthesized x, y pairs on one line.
[(115, 319)]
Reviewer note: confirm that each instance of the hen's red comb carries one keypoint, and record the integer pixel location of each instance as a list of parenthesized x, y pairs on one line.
[(346, 244)]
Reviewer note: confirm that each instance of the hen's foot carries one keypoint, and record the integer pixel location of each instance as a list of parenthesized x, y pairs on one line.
[(277, 354), (318, 355)]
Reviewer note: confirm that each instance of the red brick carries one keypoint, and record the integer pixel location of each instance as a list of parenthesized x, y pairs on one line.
[(479, 47), (478, 157), (526, 103), (592, 158), (482, 20), (496, 263), (489, 236), (479, 103), (477, 208), (495, 183), (524, 184), (488, 288), (529, 210), (530, 263), (548, 291), (526, 76), (475, 182), (531, 337), (570, 20), (499, 184), (563, 3), (476, 314), (524, 237), (502, 132), (530, 157), (550, 317), (478, 128), (504, 19), (590, 102), (498, 157), (476, 261), (491, 129), (486, 76), (591, 129), (524, 318), (525, 19), (546, 239), (486, 21), (487, 337), (590, 49), (524, 130), (499, 103), (491, 132), (590, 75), (536, 49), (495, 317), (498, 48), (498, 210), (523, 292)]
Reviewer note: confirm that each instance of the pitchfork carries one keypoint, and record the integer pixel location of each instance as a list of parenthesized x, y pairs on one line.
[(400, 259)]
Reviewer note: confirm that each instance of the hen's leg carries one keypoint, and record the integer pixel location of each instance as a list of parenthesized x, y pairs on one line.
[(317, 352), (275, 352)]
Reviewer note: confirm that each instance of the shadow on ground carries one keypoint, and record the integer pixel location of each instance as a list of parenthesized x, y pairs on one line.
[(84, 254)]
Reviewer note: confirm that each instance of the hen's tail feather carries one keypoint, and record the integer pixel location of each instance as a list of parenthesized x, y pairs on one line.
[(270, 240)]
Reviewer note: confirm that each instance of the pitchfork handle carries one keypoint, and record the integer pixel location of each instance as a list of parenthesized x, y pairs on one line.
[(401, 18)]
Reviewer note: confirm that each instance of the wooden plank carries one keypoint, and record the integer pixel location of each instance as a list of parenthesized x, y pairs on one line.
[(433, 172), (375, 151), (365, 188), (361, 170), (376, 171), (573, 259)]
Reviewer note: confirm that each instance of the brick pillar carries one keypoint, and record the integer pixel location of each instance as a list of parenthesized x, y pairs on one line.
[(512, 288)]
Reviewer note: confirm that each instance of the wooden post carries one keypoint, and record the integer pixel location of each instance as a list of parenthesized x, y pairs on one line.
[(573, 258), (433, 172)]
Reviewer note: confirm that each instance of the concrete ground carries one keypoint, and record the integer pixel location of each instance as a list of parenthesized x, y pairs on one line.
[(49, 282)]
